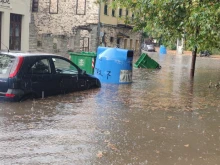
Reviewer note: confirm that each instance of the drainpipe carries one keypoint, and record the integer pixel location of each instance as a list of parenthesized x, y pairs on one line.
[(99, 26)]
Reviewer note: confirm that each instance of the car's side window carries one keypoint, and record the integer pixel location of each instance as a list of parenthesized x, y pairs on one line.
[(40, 67), (64, 67)]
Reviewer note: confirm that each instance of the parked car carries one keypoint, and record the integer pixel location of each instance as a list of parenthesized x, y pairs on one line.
[(205, 53), (28, 75), (148, 47)]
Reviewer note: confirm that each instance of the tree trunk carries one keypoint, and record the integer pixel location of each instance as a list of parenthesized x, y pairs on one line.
[(193, 62)]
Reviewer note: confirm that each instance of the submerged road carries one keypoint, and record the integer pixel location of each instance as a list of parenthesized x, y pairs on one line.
[(162, 118)]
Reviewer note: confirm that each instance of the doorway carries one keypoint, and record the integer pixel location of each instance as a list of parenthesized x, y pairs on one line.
[(84, 44), (15, 32), (118, 42)]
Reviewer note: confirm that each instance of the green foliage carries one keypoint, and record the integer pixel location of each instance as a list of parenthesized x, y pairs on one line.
[(145, 35), (215, 51), (172, 47), (196, 20)]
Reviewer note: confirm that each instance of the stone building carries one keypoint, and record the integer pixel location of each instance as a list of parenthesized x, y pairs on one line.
[(14, 24), (58, 26), (114, 32)]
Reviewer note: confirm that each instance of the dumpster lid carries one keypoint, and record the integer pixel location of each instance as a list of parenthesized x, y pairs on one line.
[(116, 54), (90, 54)]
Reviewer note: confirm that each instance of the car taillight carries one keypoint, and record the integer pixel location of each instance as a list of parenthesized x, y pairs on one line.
[(15, 68), (9, 95)]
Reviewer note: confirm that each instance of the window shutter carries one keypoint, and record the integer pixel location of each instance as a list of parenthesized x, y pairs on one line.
[(35, 5)]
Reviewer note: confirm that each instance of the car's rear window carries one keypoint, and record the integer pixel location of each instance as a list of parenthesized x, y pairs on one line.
[(6, 62)]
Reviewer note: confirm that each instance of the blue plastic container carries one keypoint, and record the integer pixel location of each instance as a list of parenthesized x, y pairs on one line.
[(114, 65), (101, 49), (163, 49)]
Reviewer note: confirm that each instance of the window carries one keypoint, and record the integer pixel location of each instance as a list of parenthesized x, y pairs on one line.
[(118, 43), (106, 9), (53, 6), (136, 44), (131, 44), (120, 12), (40, 67), (64, 67), (15, 32), (125, 43), (111, 39), (35, 5), (113, 13), (80, 7), (127, 12)]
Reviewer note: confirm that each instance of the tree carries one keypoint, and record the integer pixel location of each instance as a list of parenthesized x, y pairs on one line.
[(196, 20)]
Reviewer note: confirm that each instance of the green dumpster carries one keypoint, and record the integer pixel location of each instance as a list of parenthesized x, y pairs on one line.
[(85, 60), (146, 62)]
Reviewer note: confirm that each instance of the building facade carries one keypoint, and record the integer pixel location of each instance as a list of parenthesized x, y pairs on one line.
[(114, 32), (14, 24), (59, 26)]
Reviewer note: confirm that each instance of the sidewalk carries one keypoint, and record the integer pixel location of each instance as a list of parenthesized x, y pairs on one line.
[(173, 52)]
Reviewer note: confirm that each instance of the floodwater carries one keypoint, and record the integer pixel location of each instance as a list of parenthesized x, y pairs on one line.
[(162, 118)]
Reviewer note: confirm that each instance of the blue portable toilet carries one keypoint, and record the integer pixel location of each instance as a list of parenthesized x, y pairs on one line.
[(163, 49), (114, 65)]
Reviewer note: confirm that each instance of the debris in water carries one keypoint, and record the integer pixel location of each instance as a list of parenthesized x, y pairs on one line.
[(187, 145), (99, 154)]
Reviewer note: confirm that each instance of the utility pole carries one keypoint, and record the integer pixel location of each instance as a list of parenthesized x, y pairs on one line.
[(194, 54), (193, 62)]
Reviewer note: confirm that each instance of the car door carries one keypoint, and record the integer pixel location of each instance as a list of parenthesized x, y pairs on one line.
[(66, 74), (39, 77)]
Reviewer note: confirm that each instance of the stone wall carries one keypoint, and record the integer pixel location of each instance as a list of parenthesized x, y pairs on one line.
[(58, 32), (32, 35), (62, 22)]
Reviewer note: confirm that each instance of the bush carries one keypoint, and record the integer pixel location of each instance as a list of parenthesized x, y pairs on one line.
[(216, 51), (173, 47)]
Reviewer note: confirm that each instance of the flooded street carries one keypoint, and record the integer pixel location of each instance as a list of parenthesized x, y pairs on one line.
[(162, 118)]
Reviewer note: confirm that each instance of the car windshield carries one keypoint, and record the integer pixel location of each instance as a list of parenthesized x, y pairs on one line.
[(5, 63)]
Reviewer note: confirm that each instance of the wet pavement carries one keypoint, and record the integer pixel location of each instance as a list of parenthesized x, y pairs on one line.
[(162, 118)]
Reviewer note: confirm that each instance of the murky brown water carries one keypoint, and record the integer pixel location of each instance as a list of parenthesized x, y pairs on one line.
[(162, 118)]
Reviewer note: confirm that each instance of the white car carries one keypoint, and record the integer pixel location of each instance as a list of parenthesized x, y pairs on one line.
[(148, 47)]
